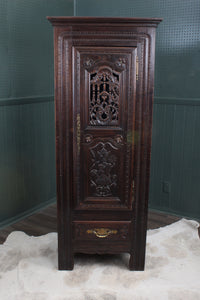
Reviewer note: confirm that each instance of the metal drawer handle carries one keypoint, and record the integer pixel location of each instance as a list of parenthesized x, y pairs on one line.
[(102, 232)]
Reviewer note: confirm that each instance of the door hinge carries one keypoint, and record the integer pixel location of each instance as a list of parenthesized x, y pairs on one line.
[(133, 191), (78, 133), (137, 68)]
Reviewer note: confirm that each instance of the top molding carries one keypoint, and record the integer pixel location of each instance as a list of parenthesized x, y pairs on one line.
[(102, 21)]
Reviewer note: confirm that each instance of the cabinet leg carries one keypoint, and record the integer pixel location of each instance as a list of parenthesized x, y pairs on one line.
[(66, 265), (65, 262), (136, 263)]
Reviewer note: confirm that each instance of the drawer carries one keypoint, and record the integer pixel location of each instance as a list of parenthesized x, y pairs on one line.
[(102, 230)]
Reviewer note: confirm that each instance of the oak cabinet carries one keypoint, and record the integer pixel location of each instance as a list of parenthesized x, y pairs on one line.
[(104, 73)]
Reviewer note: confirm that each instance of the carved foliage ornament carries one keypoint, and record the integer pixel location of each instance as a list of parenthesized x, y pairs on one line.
[(103, 177), (119, 62)]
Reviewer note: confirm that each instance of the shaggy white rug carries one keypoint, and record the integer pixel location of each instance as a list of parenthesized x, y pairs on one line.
[(28, 269)]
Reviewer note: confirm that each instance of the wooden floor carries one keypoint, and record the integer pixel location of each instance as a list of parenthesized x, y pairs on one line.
[(44, 222)]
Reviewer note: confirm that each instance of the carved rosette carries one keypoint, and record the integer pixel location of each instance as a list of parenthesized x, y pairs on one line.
[(88, 138), (88, 62), (119, 139), (121, 62)]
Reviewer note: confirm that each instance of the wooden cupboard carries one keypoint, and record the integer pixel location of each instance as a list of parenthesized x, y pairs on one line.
[(104, 81)]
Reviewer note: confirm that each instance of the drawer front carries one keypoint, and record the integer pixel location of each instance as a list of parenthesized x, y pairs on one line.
[(102, 230)]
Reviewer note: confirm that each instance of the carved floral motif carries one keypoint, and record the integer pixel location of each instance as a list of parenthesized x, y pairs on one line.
[(119, 139), (121, 62), (103, 177), (106, 59), (88, 138), (89, 62)]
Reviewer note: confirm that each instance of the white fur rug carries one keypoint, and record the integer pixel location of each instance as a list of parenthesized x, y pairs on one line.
[(28, 269)]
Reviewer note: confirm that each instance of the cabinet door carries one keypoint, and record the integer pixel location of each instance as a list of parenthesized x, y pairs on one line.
[(104, 84)]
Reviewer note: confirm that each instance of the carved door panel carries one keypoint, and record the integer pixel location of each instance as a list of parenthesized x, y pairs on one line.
[(104, 99)]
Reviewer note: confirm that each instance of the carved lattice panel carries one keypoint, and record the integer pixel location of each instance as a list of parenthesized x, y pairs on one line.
[(104, 97)]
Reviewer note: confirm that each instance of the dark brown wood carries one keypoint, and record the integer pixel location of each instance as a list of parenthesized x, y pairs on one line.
[(104, 72)]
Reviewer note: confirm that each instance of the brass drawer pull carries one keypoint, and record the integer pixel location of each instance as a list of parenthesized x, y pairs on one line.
[(102, 232)]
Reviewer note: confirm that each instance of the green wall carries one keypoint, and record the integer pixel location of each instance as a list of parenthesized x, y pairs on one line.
[(175, 165), (27, 147)]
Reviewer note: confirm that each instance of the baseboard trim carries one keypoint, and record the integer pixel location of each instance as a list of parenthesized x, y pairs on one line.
[(26, 213), (177, 101), (26, 100), (172, 213)]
